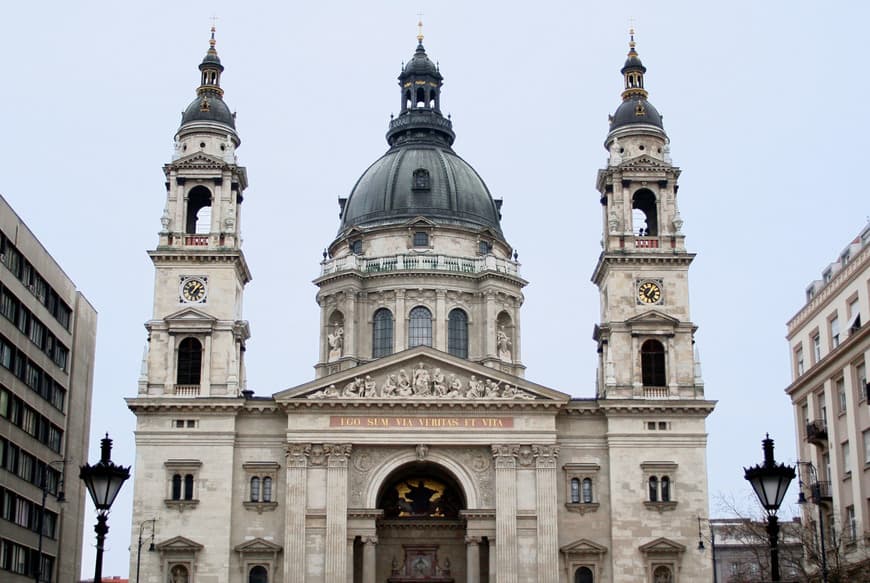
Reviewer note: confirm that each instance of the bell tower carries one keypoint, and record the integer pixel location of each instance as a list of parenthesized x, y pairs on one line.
[(642, 272), (196, 337)]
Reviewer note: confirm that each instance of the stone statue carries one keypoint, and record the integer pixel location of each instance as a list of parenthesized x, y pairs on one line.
[(389, 388), (165, 220), (353, 388), (455, 390), (421, 381), (370, 389), (438, 385), (615, 155), (613, 222), (336, 344), (503, 343), (475, 388), (490, 389), (404, 389)]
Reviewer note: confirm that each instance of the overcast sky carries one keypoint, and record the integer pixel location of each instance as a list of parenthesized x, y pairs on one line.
[(763, 101)]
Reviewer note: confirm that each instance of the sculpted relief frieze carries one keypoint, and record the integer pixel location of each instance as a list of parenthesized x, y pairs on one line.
[(423, 383)]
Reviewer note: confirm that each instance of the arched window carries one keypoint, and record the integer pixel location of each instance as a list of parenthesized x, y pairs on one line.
[(189, 362), (457, 333), (420, 328), (255, 489), (652, 363), (188, 487), (663, 574), (179, 574), (666, 489), (645, 216), (421, 98), (267, 489), (587, 491), (583, 575), (575, 491), (653, 489), (198, 218), (382, 333), (176, 487), (258, 575)]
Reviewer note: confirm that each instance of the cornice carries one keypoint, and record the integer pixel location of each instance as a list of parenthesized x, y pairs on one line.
[(429, 405), (609, 258), (174, 255), (643, 407), (415, 275), (833, 362), (175, 404)]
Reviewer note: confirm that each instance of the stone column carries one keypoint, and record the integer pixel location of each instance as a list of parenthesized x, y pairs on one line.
[(296, 503), (369, 558), (400, 323), (440, 340), (350, 331), (169, 380), (545, 503), (493, 564), (349, 563), (491, 326), (205, 379), (336, 511), (472, 549), (506, 511)]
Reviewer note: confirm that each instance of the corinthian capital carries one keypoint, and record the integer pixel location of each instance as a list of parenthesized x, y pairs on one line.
[(297, 454), (545, 455), (505, 456), (337, 453)]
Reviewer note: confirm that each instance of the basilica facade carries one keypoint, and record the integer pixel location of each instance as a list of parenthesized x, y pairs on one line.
[(420, 451)]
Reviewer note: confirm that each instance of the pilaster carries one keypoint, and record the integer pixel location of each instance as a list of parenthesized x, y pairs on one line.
[(546, 457), (296, 504), (506, 511), (336, 511)]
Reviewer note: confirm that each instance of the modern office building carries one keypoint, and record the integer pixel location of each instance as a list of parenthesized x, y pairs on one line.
[(829, 343), (47, 341), (420, 452)]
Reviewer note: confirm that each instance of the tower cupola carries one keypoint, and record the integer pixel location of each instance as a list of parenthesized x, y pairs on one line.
[(209, 106), (635, 109)]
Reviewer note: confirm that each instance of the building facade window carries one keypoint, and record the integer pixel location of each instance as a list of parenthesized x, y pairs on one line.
[(382, 333), (851, 524), (575, 491), (799, 360), (659, 483), (421, 179), (261, 477), (421, 239), (182, 483), (258, 574), (587, 491), (583, 575), (189, 362), (861, 380), (866, 435), (457, 333), (835, 332), (652, 362), (840, 387), (663, 574), (420, 327), (847, 465), (817, 348), (580, 484)]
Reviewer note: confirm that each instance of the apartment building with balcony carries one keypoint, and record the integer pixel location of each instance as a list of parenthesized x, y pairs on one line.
[(829, 343)]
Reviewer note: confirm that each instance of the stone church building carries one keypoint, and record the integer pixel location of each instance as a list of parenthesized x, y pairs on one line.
[(419, 452)]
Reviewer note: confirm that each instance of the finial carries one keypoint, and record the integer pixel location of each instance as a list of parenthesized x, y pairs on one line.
[(631, 43), (211, 41), (420, 27)]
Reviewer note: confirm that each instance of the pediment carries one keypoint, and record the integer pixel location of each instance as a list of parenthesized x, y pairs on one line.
[(258, 545), (179, 544), (645, 161), (189, 315), (421, 374), (653, 317), (662, 545), (199, 160), (584, 546), (420, 221)]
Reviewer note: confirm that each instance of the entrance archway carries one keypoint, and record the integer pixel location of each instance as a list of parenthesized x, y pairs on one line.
[(421, 534)]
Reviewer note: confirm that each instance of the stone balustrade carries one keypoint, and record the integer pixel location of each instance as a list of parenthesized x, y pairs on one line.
[(469, 265)]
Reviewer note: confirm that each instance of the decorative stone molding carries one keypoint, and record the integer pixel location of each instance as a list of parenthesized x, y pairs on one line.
[(661, 506), (546, 456), (297, 454), (424, 383), (337, 454), (505, 456), (422, 451)]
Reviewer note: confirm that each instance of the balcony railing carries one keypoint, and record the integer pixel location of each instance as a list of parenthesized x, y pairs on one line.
[(821, 492), (655, 393), (646, 242), (187, 390), (470, 265), (817, 432)]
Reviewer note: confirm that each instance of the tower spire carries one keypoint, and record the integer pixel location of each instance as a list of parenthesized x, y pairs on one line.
[(633, 71)]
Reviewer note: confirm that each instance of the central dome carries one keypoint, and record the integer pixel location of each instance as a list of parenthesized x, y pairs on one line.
[(420, 175), (421, 180)]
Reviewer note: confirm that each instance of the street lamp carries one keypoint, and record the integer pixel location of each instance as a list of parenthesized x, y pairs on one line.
[(153, 522), (60, 498), (103, 480), (712, 544), (816, 495), (770, 482)]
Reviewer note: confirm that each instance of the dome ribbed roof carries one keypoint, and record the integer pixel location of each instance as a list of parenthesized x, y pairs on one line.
[(208, 107), (420, 180), (636, 110)]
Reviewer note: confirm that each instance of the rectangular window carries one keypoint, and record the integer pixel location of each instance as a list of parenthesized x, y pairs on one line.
[(8, 305), (867, 446), (826, 466), (851, 523), (861, 380), (835, 332), (799, 360), (817, 348), (847, 464), (840, 387)]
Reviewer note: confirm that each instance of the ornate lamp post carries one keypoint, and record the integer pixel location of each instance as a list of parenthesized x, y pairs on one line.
[(770, 482), (103, 480), (152, 522)]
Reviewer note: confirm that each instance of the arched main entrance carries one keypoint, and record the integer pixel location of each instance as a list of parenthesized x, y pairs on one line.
[(421, 534)]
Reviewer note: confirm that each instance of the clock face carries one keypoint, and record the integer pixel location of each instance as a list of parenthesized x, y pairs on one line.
[(649, 292), (193, 290)]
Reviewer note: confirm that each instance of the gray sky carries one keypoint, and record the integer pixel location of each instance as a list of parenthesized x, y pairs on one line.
[(763, 103)]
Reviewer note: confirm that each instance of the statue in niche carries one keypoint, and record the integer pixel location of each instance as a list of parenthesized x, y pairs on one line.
[(503, 344), (336, 344), (421, 381), (613, 222), (438, 385), (615, 154)]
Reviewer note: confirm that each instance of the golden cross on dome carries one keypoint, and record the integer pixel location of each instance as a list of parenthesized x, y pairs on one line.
[(419, 27)]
